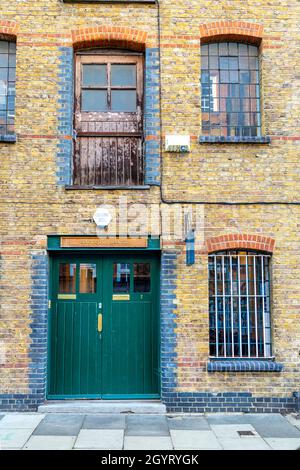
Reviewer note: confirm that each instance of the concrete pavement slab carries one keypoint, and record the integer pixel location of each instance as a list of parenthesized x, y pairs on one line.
[(231, 431), (105, 421), (245, 443), (14, 438), (60, 425), (273, 426), (184, 440), (279, 443), (221, 418), (102, 439), (50, 443), (20, 421), (147, 443), (188, 422), (142, 425)]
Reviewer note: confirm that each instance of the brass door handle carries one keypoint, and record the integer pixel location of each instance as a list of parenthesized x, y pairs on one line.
[(100, 322)]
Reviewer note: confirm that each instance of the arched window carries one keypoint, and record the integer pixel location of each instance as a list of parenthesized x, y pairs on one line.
[(230, 90), (239, 304), (7, 86)]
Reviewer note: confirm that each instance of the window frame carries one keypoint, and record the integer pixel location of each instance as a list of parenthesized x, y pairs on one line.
[(235, 132), (266, 302), (8, 134)]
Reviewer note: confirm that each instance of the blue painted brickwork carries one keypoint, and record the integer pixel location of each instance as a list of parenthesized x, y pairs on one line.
[(168, 325), (238, 402), (65, 117), (38, 347), (151, 117), (244, 366)]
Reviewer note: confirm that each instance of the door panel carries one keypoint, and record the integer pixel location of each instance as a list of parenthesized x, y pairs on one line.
[(108, 120), (121, 361), (75, 345), (130, 333)]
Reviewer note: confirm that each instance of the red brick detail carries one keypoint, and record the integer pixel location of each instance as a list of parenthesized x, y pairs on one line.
[(8, 29), (110, 36), (234, 241), (231, 31)]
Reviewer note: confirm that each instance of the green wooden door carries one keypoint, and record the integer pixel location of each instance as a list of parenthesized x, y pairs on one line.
[(121, 360), (75, 343), (130, 328)]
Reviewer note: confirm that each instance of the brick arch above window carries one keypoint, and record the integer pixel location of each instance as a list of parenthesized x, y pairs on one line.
[(237, 31), (240, 240), (110, 36), (8, 30)]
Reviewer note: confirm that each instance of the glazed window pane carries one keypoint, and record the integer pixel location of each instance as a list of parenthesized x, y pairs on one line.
[(230, 70)]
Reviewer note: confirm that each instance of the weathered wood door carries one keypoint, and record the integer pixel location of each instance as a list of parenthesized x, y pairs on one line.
[(108, 120)]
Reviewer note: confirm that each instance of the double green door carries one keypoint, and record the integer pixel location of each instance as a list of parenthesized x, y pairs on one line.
[(104, 327)]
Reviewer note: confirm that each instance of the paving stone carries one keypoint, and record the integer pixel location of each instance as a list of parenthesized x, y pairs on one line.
[(246, 443), (60, 425), (188, 422), (184, 440), (227, 419), (50, 443), (230, 431), (20, 421), (273, 426), (104, 439), (14, 438), (146, 426), (147, 443), (279, 443), (104, 422)]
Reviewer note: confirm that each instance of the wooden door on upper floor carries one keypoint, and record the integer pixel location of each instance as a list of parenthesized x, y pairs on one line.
[(108, 120)]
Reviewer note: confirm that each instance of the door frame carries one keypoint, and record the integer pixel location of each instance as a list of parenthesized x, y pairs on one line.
[(63, 253)]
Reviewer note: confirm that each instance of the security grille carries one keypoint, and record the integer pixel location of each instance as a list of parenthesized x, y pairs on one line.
[(239, 304)]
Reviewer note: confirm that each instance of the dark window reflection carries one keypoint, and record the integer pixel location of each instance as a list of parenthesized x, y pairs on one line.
[(142, 277)]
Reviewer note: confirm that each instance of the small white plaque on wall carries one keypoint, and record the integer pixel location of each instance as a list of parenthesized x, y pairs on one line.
[(178, 143)]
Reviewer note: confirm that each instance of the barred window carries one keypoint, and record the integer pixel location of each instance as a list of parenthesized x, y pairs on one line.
[(239, 304), (230, 90), (7, 86)]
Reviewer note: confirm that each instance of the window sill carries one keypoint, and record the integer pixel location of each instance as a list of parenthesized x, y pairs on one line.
[(210, 139), (90, 188), (244, 365), (10, 138)]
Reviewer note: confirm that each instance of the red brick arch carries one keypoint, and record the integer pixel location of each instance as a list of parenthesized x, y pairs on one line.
[(240, 240), (8, 29), (232, 31), (109, 36)]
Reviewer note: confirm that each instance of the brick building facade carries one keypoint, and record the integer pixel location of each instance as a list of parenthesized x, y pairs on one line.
[(221, 348)]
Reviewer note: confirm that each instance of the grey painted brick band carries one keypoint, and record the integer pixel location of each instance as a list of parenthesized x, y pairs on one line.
[(244, 366)]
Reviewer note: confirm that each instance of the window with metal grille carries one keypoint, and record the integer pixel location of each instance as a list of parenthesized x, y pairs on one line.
[(230, 90), (239, 304), (7, 86)]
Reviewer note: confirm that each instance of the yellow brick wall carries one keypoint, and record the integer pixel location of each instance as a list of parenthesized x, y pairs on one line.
[(33, 206)]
